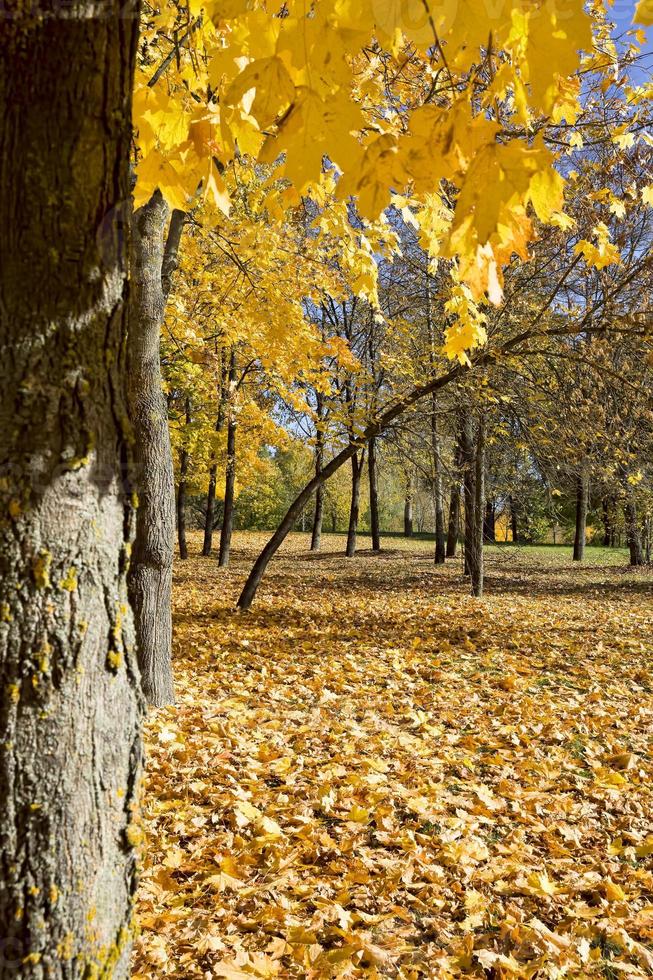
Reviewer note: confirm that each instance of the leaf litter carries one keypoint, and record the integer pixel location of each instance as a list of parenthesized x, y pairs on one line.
[(372, 774)]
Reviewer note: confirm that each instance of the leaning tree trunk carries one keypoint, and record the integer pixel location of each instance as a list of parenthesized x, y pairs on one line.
[(357, 463), (476, 570), (633, 534), (230, 477), (374, 496), (582, 494), (70, 699), (150, 574)]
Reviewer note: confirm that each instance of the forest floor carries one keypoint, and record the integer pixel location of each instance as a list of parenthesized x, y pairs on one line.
[(373, 774)]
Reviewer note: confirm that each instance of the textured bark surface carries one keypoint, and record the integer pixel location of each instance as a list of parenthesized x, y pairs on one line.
[(70, 700), (150, 574)]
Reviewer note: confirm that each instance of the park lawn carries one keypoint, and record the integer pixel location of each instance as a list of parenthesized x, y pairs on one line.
[(373, 774)]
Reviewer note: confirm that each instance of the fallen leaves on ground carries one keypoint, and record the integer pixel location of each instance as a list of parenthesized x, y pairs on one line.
[(373, 775)]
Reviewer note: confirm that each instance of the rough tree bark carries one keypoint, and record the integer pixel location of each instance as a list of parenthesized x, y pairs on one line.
[(150, 574), (374, 496), (184, 459), (357, 463), (70, 699), (582, 494), (230, 478), (318, 514)]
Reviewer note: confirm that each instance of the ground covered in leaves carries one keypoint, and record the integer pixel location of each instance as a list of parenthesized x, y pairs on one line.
[(372, 774)]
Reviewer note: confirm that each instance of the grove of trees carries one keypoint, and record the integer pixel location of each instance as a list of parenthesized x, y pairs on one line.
[(339, 266)]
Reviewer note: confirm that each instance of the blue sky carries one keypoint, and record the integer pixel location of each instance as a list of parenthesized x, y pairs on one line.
[(622, 12)]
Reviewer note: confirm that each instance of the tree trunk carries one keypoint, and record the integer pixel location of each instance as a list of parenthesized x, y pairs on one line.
[(454, 521), (514, 520), (181, 505), (608, 522), (374, 496), (453, 532), (184, 460), (209, 516), (467, 453), (476, 570), (230, 477), (70, 697), (357, 463), (316, 531), (490, 521), (408, 510), (582, 493), (438, 501), (150, 573), (633, 533)]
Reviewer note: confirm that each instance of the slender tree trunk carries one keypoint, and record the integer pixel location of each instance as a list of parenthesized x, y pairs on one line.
[(316, 531), (514, 520), (408, 509), (209, 517), (181, 505), (230, 480), (453, 530), (374, 496), (438, 501), (357, 463), (467, 445), (606, 511), (150, 573), (229, 489), (633, 533), (70, 696), (582, 494), (184, 459), (479, 511), (490, 522)]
